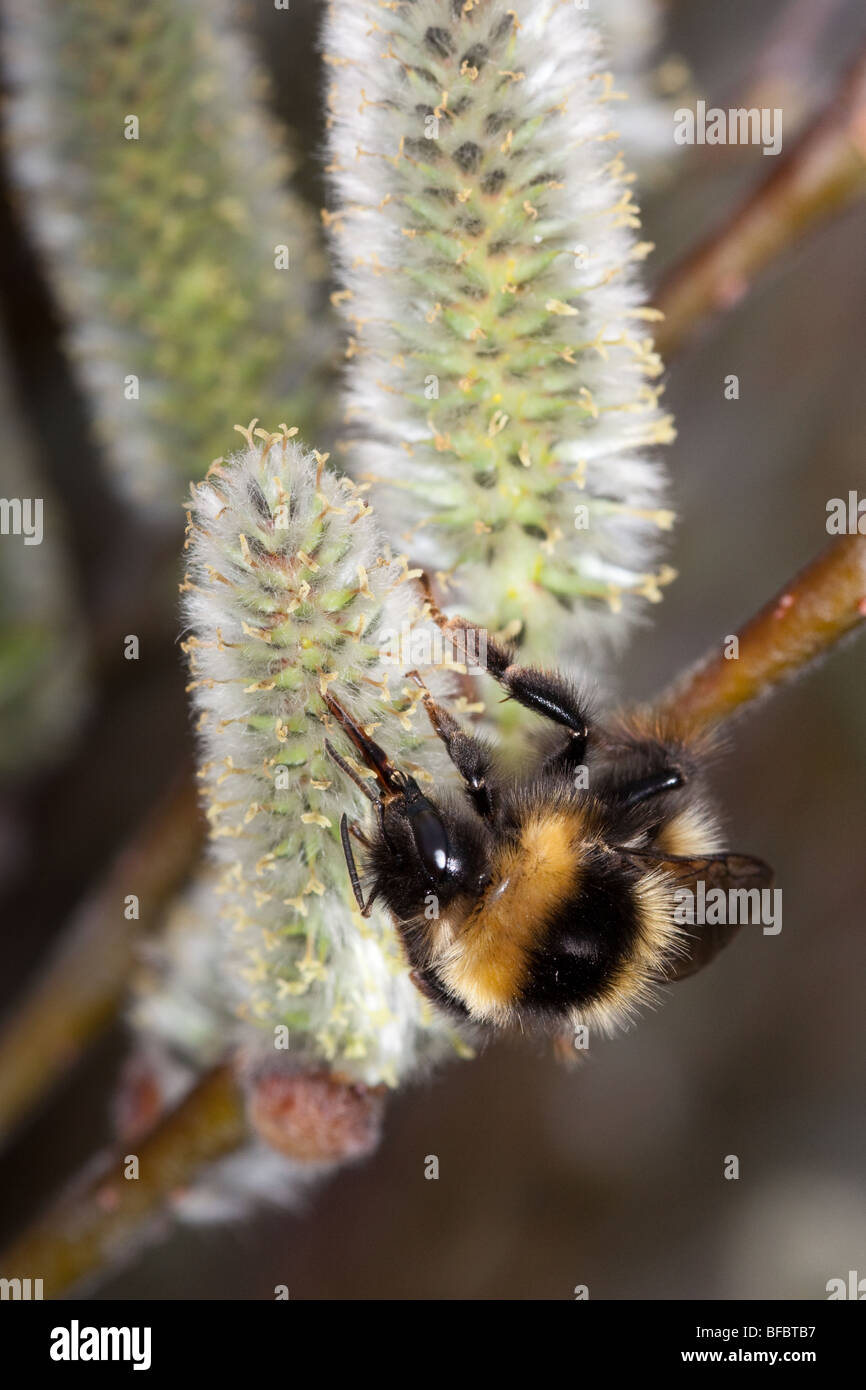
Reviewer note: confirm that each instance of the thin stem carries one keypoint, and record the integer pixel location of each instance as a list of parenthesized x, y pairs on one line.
[(78, 991), (823, 173), (823, 604)]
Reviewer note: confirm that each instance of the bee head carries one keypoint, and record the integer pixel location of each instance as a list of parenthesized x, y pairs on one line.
[(421, 847), (416, 846)]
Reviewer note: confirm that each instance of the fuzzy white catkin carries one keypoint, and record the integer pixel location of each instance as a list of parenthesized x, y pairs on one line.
[(184, 261), (182, 1024), (291, 592), (500, 373), (179, 1010), (633, 34)]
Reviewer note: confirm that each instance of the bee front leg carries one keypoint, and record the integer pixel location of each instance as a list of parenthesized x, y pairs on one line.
[(428, 985), (469, 754)]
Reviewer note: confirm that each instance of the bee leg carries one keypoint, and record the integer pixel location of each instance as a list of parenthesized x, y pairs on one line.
[(380, 816), (359, 835), (370, 795), (483, 650), (567, 758), (545, 692), (467, 753), (427, 984), (388, 777), (644, 788), (549, 694), (349, 771)]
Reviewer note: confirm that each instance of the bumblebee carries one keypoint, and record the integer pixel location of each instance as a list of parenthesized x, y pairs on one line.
[(547, 898)]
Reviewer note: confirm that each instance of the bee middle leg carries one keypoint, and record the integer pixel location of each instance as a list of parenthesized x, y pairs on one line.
[(666, 779), (642, 765), (545, 692)]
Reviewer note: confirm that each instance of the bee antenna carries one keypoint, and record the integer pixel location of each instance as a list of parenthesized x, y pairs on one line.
[(354, 879)]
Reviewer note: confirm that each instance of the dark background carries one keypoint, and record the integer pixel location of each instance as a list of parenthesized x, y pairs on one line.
[(611, 1175)]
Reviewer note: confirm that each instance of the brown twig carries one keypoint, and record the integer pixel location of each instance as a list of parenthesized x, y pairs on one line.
[(313, 1117), (88, 1228), (823, 604), (81, 986), (790, 51), (823, 173)]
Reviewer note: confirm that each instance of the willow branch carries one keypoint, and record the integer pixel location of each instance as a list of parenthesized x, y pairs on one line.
[(81, 986), (824, 172), (89, 1228), (822, 605), (789, 50), (317, 1119)]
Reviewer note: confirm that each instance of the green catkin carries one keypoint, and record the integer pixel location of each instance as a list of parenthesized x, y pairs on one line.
[(163, 248), (290, 593), (502, 390)]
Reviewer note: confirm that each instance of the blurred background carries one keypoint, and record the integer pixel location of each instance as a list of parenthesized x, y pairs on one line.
[(611, 1175)]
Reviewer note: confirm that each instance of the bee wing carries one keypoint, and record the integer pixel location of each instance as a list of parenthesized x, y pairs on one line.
[(725, 871)]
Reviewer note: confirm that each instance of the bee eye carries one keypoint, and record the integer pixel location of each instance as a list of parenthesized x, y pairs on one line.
[(431, 842)]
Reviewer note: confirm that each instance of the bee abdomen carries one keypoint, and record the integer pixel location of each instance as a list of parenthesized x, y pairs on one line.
[(583, 948)]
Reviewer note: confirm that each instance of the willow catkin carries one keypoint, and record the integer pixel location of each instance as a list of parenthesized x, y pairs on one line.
[(159, 192), (291, 593), (502, 387)]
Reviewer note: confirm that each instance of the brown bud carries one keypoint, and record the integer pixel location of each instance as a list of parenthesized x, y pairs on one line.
[(140, 1100), (317, 1115)]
